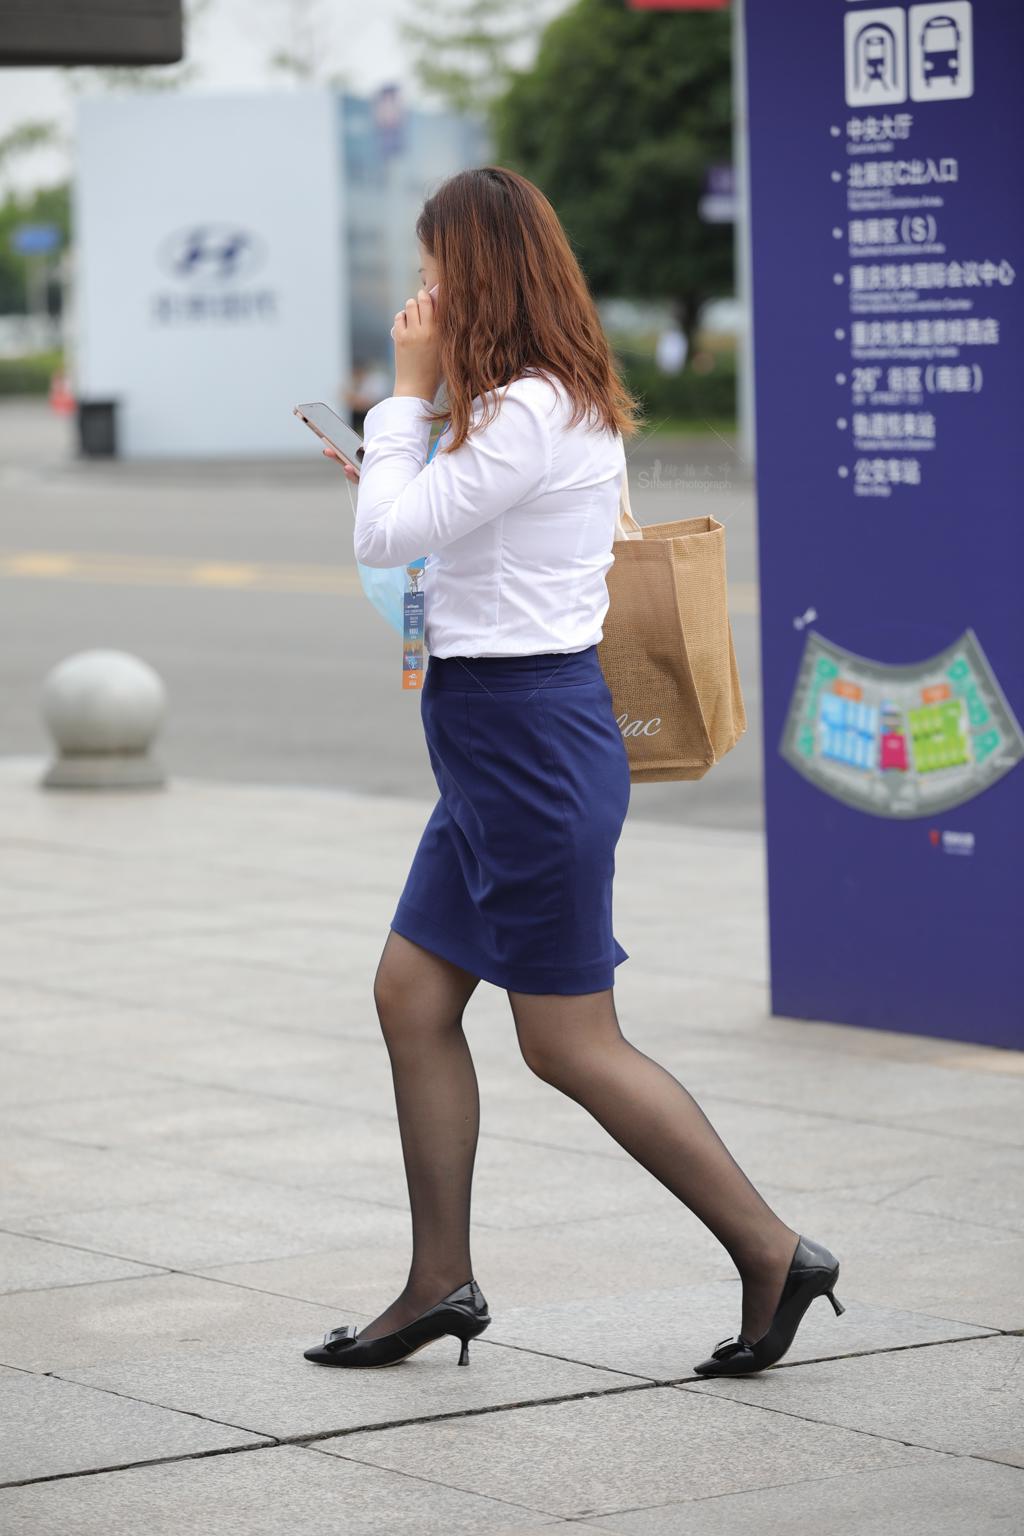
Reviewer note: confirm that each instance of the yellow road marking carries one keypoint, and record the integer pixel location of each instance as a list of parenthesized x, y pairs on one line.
[(176, 571), (226, 575), (40, 565), (173, 571)]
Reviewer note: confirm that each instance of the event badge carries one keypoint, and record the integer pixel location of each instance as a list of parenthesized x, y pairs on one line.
[(413, 614), (412, 625)]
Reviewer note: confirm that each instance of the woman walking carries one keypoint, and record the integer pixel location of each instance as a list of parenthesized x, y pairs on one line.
[(512, 878)]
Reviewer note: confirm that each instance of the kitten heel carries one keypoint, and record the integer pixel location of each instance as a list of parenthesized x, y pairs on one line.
[(813, 1272), (464, 1313)]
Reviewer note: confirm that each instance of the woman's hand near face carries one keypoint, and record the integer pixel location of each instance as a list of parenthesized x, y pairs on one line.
[(417, 361), (417, 357)]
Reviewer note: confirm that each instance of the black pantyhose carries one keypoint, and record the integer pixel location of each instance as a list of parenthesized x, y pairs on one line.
[(575, 1044), (420, 1001)]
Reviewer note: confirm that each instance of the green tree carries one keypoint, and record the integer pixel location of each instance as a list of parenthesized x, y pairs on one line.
[(24, 139), (463, 52), (51, 205), (305, 56), (617, 122)]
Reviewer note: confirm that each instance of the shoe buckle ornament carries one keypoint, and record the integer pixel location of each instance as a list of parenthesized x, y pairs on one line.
[(336, 1337), (726, 1348)]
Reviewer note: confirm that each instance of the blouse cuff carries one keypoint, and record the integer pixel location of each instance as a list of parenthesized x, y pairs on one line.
[(400, 413)]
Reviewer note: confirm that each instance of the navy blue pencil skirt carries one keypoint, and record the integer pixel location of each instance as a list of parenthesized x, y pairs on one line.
[(512, 878)]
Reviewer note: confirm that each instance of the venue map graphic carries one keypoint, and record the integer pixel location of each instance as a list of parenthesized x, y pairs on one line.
[(900, 740)]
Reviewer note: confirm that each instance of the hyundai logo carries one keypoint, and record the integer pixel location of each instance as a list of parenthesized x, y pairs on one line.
[(211, 253)]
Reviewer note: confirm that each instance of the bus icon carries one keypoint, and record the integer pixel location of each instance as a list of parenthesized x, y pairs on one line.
[(940, 48), (940, 51)]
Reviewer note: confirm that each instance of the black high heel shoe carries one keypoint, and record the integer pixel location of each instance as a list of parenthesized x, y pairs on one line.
[(813, 1272), (462, 1313)]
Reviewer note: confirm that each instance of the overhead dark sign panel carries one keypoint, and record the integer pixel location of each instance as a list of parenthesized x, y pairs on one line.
[(90, 31)]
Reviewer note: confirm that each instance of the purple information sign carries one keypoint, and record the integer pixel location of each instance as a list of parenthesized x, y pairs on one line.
[(887, 242)]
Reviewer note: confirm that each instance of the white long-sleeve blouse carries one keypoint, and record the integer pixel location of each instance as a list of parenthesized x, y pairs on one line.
[(517, 524)]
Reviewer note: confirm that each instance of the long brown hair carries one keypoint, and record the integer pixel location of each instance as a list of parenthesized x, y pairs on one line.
[(513, 302)]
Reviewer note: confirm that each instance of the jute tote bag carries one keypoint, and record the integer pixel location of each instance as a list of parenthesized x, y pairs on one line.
[(667, 651)]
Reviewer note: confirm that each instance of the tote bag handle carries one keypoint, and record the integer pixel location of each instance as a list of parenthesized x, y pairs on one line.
[(626, 525)]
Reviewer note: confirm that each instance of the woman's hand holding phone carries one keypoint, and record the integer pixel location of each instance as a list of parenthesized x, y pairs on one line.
[(350, 473)]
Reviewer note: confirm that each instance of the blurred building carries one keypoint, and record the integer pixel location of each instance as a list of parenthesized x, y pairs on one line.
[(392, 158), (235, 255)]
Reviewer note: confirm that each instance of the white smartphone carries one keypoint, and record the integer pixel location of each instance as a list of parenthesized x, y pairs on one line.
[(328, 425)]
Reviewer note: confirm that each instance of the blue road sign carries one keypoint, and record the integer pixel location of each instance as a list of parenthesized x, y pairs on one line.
[(35, 239)]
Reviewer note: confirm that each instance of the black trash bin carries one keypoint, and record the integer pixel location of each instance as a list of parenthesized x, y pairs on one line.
[(97, 428)]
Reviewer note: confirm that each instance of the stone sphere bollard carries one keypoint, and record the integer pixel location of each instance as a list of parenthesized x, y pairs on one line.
[(103, 709)]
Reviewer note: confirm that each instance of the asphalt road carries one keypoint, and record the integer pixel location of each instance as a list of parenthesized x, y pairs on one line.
[(236, 581)]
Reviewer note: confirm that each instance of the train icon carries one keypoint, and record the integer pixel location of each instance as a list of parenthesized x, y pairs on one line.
[(876, 56)]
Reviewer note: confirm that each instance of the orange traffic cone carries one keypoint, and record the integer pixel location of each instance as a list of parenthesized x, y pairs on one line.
[(61, 398)]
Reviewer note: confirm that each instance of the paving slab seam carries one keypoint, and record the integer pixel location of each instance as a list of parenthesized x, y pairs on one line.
[(636, 1382), (273, 1034), (991, 1461), (551, 1146), (471, 1413), (850, 1119), (162, 1077), (310, 1441), (636, 1208), (133, 1005), (732, 1493), (158, 1271), (131, 1466), (307, 1440), (259, 1179), (109, 853), (948, 1135), (594, 1514), (1009, 1333), (434, 1482), (206, 1012), (871, 1434), (859, 1354), (71, 1285), (910, 1210), (739, 1100), (86, 1210), (785, 1365), (63, 1242), (133, 1397)]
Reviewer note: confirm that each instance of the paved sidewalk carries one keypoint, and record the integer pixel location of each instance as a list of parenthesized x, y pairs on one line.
[(202, 1173)]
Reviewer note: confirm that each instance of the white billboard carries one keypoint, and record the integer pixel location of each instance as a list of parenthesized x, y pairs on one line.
[(211, 281)]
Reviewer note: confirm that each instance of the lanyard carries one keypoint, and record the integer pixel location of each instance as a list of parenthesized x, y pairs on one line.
[(413, 608)]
